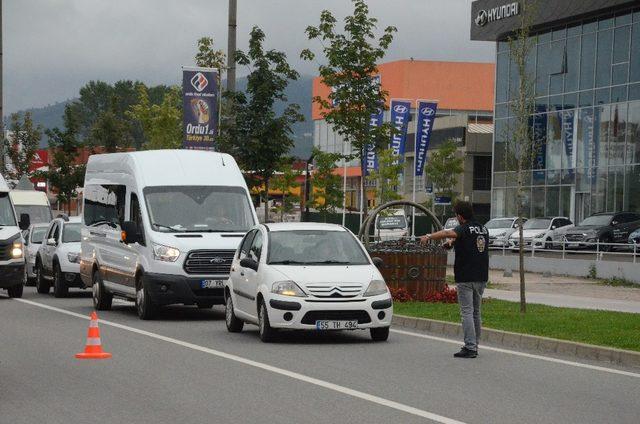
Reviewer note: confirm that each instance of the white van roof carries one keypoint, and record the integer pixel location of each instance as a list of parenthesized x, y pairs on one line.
[(167, 167), (29, 197), (4, 187)]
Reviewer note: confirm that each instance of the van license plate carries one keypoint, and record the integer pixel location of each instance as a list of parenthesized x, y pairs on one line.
[(211, 284), (336, 325)]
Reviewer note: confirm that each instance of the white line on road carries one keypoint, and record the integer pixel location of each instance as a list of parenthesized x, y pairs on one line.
[(294, 375), (526, 355)]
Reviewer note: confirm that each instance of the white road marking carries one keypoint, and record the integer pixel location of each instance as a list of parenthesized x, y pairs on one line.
[(523, 354), (294, 375)]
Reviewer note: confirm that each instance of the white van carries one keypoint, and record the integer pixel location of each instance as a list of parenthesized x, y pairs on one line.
[(33, 203), (161, 227), (392, 225), (11, 244)]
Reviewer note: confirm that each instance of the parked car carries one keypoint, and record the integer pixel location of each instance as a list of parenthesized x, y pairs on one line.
[(11, 244), (634, 240), (33, 238), (58, 258), (162, 227), (539, 232), (306, 276), (602, 228), (500, 229), (392, 225), (451, 223)]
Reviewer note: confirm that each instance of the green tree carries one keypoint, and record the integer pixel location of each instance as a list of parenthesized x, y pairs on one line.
[(352, 57), (251, 130), (161, 123), (111, 132), (208, 57), (443, 169), (64, 174), (327, 193), (387, 177), (284, 182), (22, 144)]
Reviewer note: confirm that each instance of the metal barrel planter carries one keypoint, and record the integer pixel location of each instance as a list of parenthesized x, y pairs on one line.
[(419, 269)]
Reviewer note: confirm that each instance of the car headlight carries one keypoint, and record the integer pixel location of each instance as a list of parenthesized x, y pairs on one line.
[(74, 258), (287, 288), (17, 250), (376, 287), (500, 235), (539, 235), (165, 253)]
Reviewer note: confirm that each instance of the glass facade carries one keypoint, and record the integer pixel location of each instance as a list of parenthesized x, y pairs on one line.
[(586, 122)]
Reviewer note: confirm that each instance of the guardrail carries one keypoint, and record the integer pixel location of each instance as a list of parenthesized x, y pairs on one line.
[(597, 248)]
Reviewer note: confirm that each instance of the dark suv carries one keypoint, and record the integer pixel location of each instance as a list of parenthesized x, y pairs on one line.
[(605, 227)]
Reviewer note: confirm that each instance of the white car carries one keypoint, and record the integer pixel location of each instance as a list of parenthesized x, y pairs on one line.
[(500, 229), (58, 258), (33, 238), (306, 276), (540, 232)]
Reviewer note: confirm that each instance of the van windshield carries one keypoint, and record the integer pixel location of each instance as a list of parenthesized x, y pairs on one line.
[(6, 211), (198, 209), (37, 213)]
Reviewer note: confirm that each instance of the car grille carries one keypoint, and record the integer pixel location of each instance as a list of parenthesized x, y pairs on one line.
[(311, 317), (5, 251), (217, 262), (574, 237), (334, 290)]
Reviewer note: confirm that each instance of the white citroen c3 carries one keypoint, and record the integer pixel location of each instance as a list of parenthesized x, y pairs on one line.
[(306, 276)]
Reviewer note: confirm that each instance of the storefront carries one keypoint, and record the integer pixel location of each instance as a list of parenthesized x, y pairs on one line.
[(585, 61)]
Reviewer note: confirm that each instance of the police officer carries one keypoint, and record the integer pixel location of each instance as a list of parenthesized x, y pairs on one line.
[(471, 270)]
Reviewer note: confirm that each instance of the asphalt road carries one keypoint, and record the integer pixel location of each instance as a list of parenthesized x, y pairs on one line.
[(184, 367)]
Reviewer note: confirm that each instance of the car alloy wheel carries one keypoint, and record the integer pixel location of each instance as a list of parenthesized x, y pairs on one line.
[(234, 325), (144, 305)]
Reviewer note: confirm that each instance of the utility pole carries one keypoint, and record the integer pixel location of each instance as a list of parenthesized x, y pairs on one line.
[(1, 103), (231, 46)]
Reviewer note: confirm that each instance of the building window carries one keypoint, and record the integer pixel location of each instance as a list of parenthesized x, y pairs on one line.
[(482, 172)]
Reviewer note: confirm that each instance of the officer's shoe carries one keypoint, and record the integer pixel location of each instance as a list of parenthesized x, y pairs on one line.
[(466, 353)]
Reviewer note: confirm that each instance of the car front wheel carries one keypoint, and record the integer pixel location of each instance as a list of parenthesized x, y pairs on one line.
[(380, 334), (60, 288), (234, 324), (15, 291), (267, 333), (101, 299), (144, 305), (42, 286)]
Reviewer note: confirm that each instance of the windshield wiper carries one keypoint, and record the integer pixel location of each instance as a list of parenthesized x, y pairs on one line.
[(287, 262), (329, 262), (173, 230), (109, 223)]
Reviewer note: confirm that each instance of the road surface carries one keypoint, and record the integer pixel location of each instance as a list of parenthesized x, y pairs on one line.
[(184, 367)]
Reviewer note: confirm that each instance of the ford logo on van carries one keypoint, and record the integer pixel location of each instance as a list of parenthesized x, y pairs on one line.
[(400, 108), (217, 260)]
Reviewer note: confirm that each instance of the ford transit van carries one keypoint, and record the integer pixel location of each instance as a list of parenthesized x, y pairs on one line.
[(161, 227), (11, 244), (33, 203)]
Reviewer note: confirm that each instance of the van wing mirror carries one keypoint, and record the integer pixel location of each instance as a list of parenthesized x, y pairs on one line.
[(130, 232), (249, 263), (25, 221), (51, 242)]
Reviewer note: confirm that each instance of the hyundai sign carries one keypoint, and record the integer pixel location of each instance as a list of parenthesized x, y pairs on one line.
[(424, 126), (200, 107), (400, 120)]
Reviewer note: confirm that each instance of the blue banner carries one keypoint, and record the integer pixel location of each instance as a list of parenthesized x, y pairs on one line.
[(426, 117), (539, 123), (371, 158), (199, 107), (567, 140), (400, 110)]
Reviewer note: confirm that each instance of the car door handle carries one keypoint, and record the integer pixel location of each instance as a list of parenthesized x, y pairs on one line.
[(242, 273)]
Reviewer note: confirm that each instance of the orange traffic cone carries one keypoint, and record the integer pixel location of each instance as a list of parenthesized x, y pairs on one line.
[(93, 348)]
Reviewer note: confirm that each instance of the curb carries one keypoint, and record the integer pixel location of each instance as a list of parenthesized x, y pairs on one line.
[(609, 355)]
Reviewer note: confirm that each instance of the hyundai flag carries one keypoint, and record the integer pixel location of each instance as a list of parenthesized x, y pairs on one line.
[(371, 157), (426, 116), (200, 107), (400, 110)]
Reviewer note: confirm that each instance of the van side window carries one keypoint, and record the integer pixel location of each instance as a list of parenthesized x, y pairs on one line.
[(136, 216), (50, 232), (244, 247), (56, 233), (256, 247), (104, 205)]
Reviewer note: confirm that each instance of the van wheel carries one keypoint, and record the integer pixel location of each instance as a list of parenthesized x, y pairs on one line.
[(60, 288), (42, 286), (144, 306), (267, 333), (101, 298), (548, 244), (234, 325), (15, 291), (380, 334)]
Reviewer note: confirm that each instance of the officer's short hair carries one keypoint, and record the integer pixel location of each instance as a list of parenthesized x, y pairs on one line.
[(464, 209)]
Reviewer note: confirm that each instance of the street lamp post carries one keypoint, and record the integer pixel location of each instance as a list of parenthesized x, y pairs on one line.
[(231, 46)]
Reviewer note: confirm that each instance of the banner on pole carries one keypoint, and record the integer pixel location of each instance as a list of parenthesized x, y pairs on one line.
[(200, 107), (400, 110), (371, 157), (426, 113)]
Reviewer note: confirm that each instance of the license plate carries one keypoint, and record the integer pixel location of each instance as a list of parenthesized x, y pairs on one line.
[(336, 325), (211, 284)]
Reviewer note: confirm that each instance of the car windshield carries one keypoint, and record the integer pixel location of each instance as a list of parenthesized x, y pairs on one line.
[(71, 233), (199, 209), (537, 224), (37, 234), (599, 220), (315, 247), (6, 211), (451, 224), (37, 213), (392, 222), (499, 223)]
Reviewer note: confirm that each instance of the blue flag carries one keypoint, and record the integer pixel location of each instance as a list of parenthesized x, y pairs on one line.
[(424, 126), (399, 119), (371, 158)]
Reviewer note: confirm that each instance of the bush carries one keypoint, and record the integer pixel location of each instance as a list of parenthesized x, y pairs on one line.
[(448, 295), (400, 294)]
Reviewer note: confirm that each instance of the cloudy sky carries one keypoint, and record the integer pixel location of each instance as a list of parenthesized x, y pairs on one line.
[(53, 47)]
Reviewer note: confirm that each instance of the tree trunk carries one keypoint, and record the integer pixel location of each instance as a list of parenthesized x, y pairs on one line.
[(523, 300), (266, 200), (363, 189)]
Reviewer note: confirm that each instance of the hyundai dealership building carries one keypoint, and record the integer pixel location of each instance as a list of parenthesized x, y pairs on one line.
[(585, 60)]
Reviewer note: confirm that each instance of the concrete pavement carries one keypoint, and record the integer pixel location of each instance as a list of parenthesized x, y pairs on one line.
[(185, 367)]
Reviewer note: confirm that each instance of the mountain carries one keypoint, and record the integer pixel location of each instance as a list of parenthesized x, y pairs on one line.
[(297, 92)]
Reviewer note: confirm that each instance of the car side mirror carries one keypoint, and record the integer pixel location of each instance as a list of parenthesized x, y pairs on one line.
[(25, 221), (249, 263), (553, 227), (130, 232), (378, 262), (51, 242)]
